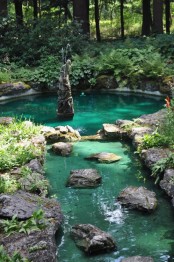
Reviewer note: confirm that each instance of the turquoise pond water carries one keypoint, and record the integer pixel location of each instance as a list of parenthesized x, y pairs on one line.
[(136, 233)]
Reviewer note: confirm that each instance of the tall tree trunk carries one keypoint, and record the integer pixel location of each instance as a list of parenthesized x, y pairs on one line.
[(158, 16), (18, 11), (35, 10), (146, 25), (81, 14), (167, 12), (3, 8), (122, 17), (97, 21)]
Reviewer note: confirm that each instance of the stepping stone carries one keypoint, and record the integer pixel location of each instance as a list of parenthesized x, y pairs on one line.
[(61, 148), (104, 157), (84, 178), (92, 239), (138, 198)]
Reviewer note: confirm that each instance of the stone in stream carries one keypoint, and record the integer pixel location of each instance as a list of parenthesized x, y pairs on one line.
[(61, 148), (137, 259), (92, 239), (38, 245), (104, 157), (84, 178), (167, 183), (138, 198)]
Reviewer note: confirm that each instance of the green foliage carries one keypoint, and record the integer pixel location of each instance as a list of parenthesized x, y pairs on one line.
[(83, 69), (8, 184), (16, 257), (44, 39), (167, 125), (132, 65), (160, 166), (15, 147), (36, 222), (153, 140), (4, 75)]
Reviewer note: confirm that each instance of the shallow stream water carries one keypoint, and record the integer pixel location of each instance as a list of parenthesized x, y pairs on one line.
[(135, 233)]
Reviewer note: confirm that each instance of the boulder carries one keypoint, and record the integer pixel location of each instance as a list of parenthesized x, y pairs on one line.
[(23, 204), (6, 120), (138, 198), (47, 129), (151, 119), (38, 245), (13, 88), (61, 148), (35, 166), (153, 155), (57, 136), (34, 183), (141, 131), (167, 183), (106, 82), (62, 129), (104, 157), (84, 178), (137, 259), (112, 131), (92, 239)]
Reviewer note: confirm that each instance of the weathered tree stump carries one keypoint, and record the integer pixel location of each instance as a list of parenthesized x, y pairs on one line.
[(65, 101)]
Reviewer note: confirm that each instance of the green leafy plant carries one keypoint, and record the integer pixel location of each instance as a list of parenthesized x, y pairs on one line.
[(16, 148), (8, 184), (153, 140), (16, 257), (159, 167), (35, 223)]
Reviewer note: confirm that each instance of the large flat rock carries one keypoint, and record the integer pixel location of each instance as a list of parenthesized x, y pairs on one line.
[(23, 204), (104, 157)]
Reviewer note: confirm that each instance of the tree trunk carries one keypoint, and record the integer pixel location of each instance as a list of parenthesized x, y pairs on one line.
[(167, 12), (81, 14), (18, 11), (97, 23), (3, 8), (146, 25), (158, 16), (35, 10), (122, 17)]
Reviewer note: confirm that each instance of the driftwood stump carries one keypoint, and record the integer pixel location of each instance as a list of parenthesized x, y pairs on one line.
[(65, 101)]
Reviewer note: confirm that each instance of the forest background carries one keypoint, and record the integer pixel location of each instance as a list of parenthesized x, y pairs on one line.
[(133, 40)]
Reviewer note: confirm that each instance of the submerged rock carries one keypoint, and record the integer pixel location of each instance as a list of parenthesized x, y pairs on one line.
[(138, 198), (137, 259), (104, 157), (92, 239), (61, 148), (82, 178)]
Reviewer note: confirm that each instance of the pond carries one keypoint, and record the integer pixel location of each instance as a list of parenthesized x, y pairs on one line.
[(135, 233)]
